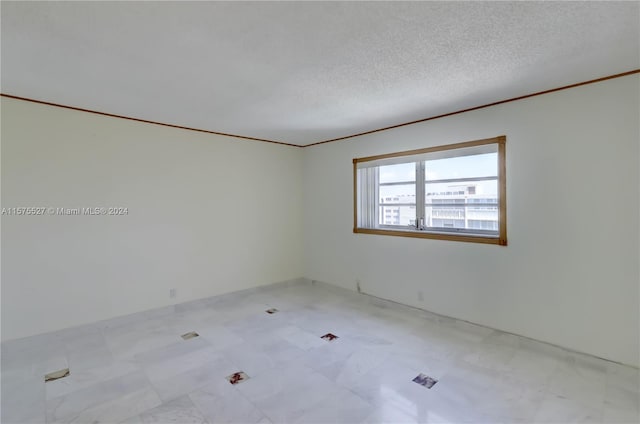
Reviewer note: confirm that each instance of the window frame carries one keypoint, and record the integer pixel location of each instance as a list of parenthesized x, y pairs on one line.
[(501, 239)]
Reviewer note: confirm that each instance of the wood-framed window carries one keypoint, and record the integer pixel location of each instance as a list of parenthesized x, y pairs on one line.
[(453, 192)]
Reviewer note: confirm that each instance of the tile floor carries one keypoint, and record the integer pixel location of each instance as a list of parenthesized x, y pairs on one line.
[(138, 369)]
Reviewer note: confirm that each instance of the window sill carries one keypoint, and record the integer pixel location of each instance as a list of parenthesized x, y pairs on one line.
[(433, 235)]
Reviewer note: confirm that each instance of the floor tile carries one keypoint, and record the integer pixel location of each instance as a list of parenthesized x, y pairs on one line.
[(387, 385), (581, 379), (558, 409), (23, 399), (274, 381), (621, 405), (341, 406), (67, 407), (245, 357), (218, 336), (177, 385), (120, 408), (623, 377), (225, 405), (84, 378), (176, 358), (178, 411), (298, 337), (388, 414)]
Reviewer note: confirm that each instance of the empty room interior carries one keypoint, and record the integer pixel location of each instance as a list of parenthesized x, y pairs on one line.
[(320, 212)]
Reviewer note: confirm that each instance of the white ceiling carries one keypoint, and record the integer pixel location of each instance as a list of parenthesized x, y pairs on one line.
[(305, 72)]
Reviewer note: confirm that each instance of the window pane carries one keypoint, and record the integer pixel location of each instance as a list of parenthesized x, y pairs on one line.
[(485, 165), (472, 205), (403, 193), (398, 173), (398, 205), (402, 215)]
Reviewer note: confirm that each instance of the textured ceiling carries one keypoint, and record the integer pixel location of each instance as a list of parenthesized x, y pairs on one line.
[(305, 72)]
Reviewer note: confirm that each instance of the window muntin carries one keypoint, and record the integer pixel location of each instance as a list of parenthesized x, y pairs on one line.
[(462, 187)]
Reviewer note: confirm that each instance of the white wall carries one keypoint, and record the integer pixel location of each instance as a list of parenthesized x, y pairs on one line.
[(207, 215), (570, 273)]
